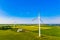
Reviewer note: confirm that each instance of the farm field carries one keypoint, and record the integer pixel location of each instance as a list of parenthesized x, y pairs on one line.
[(30, 32)]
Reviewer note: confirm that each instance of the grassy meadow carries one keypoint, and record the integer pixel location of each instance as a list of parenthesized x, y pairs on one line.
[(30, 32)]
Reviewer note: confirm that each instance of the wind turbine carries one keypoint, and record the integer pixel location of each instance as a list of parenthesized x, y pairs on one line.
[(14, 23), (39, 22)]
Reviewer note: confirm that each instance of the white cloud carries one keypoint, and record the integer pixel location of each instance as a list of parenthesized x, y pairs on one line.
[(52, 20), (4, 19), (17, 21)]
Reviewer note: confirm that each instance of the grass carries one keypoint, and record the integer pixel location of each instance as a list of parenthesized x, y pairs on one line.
[(54, 31), (51, 34), (47, 33), (11, 35)]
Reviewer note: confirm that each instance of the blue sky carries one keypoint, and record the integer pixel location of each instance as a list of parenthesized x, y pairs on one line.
[(26, 10)]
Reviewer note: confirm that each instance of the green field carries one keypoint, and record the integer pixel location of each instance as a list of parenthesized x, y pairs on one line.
[(30, 32)]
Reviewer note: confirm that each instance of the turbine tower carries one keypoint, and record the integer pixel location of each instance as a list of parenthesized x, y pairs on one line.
[(39, 22), (39, 25)]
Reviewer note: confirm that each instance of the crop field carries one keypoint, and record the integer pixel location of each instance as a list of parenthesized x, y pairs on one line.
[(30, 32)]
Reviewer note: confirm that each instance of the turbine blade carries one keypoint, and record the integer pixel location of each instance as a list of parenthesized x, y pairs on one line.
[(41, 21), (34, 19)]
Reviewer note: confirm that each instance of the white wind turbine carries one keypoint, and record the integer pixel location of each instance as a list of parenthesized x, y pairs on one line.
[(14, 23), (39, 22)]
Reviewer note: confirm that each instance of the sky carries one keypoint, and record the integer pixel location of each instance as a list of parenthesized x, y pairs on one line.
[(24, 11)]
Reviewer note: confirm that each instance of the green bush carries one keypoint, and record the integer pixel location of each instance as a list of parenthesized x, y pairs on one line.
[(14, 29), (5, 27)]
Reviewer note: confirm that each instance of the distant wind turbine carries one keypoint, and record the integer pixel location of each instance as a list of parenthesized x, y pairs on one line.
[(14, 23)]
